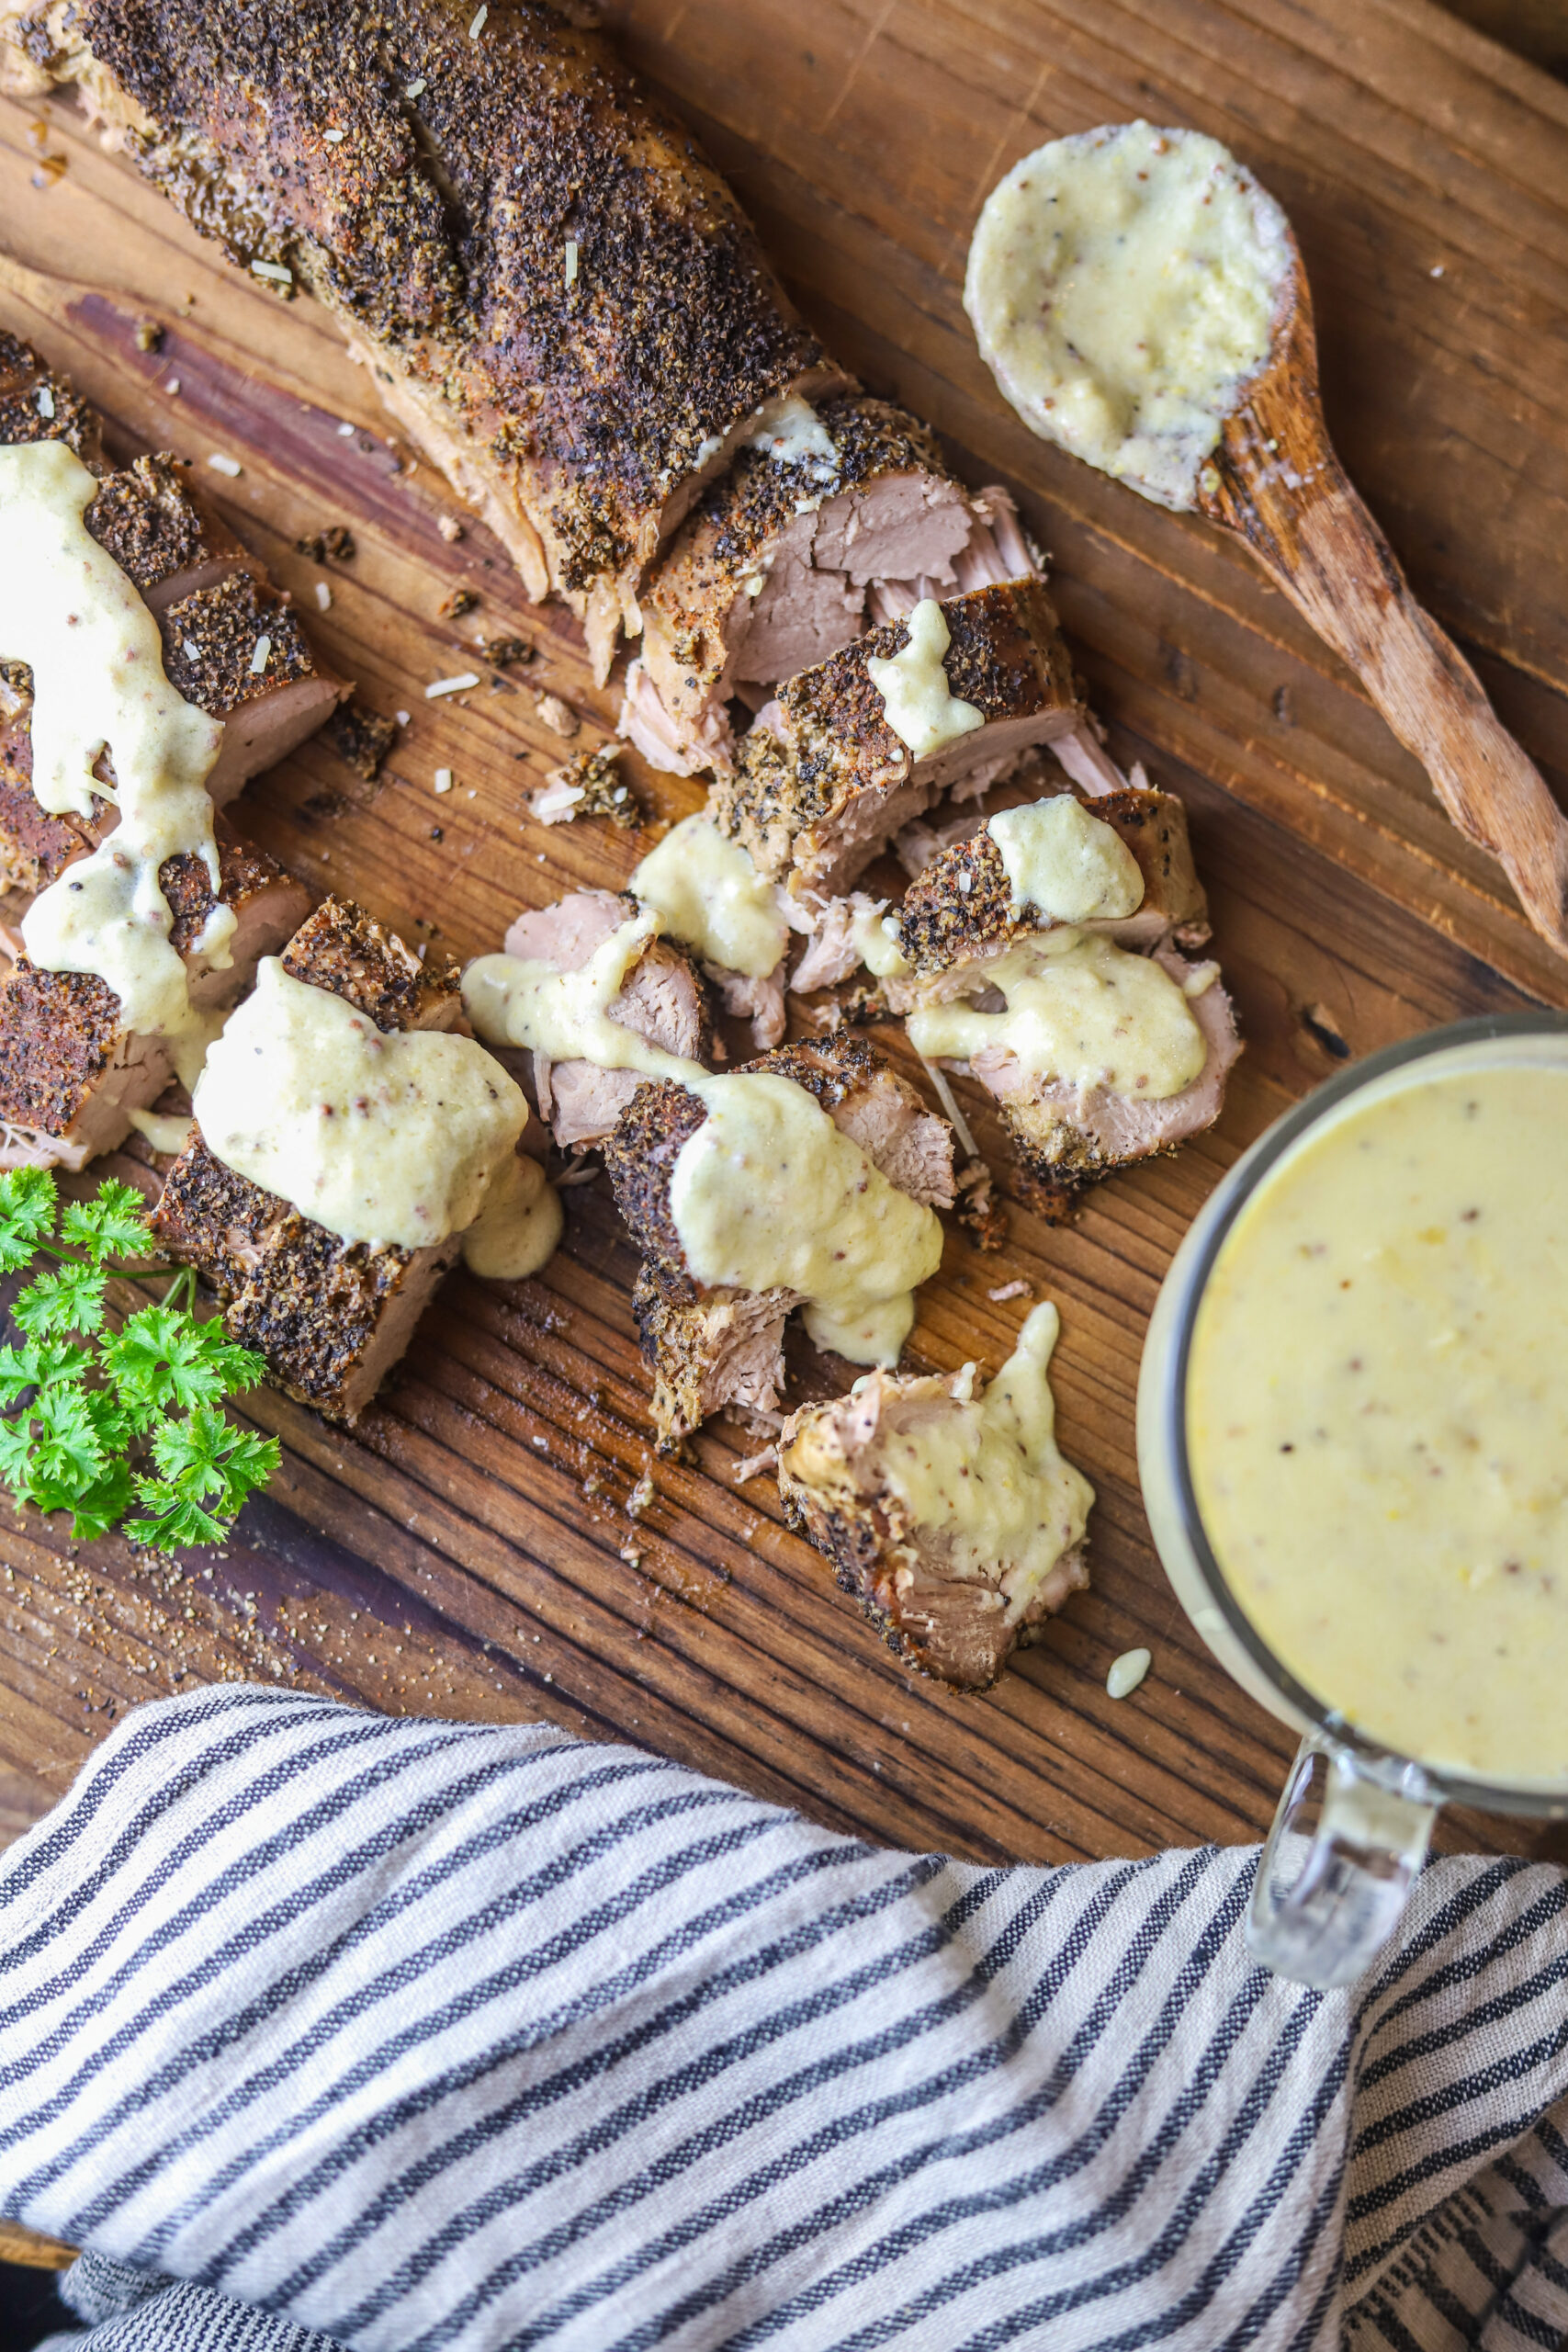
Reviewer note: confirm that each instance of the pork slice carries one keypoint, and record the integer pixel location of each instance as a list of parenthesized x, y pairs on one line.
[(832, 952), (342, 949), (154, 522), (957, 914), (331, 1317), (723, 1349), (71, 1073), (213, 639), (833, 1481), (757, 998), (569, 931), (821, 783), (867, 1101), (710, 1348), (1067, 1137), (772, 574), (661, 999)]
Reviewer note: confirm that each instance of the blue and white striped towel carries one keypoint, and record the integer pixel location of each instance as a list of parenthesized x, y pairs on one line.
[(421, 2035)]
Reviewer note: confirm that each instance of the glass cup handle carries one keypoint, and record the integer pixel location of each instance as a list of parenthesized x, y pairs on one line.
[(1322, 1919)]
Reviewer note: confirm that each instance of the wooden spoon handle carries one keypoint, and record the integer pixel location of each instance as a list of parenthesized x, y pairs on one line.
[(1342, 574), (1276, 481)]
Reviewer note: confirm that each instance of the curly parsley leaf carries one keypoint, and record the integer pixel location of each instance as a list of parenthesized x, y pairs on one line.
[(68, 1299), (81, 1408), (163, 1359), (27, 1214), (114, 1224)]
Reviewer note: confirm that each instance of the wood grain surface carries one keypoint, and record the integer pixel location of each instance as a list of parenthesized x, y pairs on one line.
[(469, 1551)]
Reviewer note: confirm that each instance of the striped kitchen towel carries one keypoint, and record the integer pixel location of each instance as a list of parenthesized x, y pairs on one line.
[(317, 2028)]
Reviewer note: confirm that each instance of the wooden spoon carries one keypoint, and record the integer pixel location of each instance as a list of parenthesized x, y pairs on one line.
[(1277, 483)]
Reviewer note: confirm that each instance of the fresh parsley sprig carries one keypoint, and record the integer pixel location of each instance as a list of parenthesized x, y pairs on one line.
[(88, 1409)]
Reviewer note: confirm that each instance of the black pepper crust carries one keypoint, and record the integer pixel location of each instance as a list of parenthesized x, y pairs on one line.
[(58, 1030), (341, 948), (641, 1159), (439, 224), (154, 522), (307, 1301), (940, 921), (23, 374), (210, 642)]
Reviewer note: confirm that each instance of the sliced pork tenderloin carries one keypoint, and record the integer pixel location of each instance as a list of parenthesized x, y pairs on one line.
[(716, 1346), (164, 535), (35, 404), (772, 573), (237, 650), (821, 782), (662, 1001), (557, 295), (331, 1317), (958, 914), (71, 1073), (893, 1546), (1067, 1135)]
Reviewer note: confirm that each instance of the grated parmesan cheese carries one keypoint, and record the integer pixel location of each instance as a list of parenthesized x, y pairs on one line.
[(414, 88), (571, 261), (273, 269), (190, 649), (323, 598), (333, 137), (221, 465), (457, 686), (443, 779), (46, 396), (476, 28), (260, 657)]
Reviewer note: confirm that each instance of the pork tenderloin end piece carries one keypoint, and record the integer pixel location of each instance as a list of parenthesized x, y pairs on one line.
[(834, 1482), (562, 301), (212, 641), (662, 999), (821, 783), (331, 1317)]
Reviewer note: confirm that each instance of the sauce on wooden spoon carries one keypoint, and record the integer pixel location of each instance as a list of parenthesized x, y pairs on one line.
[(1141, 301)]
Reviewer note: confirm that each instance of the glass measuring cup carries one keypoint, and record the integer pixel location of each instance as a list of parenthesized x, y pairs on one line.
[(1322, 1905)]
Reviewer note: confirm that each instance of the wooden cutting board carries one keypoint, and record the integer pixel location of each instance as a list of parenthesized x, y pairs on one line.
[(471, 1551)]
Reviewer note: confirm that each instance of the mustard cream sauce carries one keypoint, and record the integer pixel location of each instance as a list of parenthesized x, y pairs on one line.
[(377, 1136), (1123, 285), (518, 1225), (68, 610), (920, 708), (767, 1192), (1080, 1010), (706, 891), (1377, 1417), (990, 1473), (1068, 863)]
